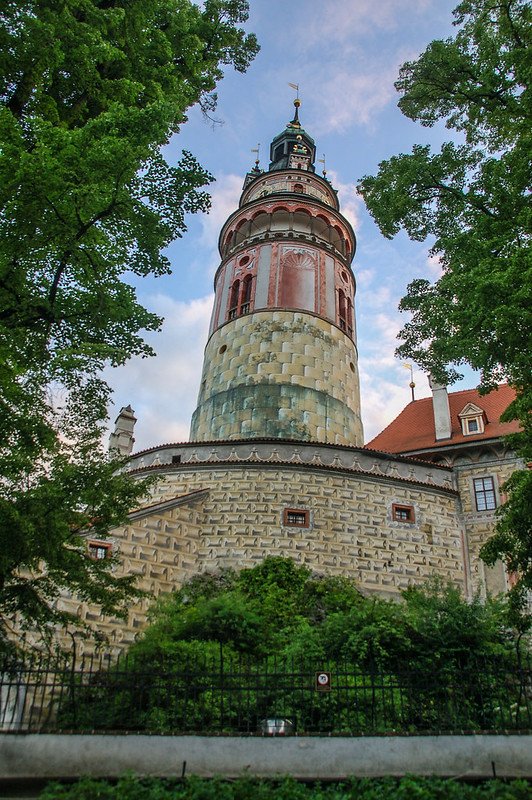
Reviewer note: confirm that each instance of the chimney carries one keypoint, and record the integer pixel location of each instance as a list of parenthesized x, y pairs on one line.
[(121, 440), (440, 408)]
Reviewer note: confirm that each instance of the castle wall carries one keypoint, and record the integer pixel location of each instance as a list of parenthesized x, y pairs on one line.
[(206, 516), (480, 525)]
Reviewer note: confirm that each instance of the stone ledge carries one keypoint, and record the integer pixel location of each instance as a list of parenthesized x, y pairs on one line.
[(475, 756)]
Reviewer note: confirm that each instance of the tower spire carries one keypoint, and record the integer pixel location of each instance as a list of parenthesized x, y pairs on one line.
[(293, 148), (295, 123)]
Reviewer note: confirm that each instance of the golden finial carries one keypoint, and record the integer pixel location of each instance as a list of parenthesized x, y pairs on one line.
[(322, 161)]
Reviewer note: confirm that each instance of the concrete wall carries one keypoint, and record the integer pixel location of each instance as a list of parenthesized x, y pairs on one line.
[(33, 756)]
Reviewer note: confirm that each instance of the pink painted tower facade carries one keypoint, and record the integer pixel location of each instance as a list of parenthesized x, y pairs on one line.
[(281, 360)]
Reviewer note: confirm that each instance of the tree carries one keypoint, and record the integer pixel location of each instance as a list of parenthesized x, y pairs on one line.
[(255, 631), (280, 607), (473, 197), (89, 92)]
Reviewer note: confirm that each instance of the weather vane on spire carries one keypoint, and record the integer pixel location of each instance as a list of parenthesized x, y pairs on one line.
[(296, 87), (322, 161), (256, 150), (297, 102), (412, 384)]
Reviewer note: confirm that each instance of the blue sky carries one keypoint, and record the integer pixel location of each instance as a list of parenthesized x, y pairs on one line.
[(345, 55)]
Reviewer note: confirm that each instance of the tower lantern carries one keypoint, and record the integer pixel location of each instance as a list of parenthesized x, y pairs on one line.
[(281, 360)]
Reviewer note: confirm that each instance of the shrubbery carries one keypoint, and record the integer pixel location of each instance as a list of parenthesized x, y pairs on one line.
[(131, 788), (229, 650), (282, 608)]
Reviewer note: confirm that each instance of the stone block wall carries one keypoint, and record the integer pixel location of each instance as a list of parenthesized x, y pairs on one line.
[(480, 525), (280, 374), (232, 515)]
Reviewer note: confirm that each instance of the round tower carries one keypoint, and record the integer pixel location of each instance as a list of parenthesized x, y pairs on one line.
[(281, 360)]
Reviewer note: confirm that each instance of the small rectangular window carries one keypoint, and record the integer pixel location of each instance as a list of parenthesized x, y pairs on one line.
[(98, 551), (296, 517), (176, 459), (402, 513), (472, 425), (484, 489)]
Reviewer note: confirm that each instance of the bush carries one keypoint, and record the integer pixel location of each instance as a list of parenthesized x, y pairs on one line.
[(407, 788)]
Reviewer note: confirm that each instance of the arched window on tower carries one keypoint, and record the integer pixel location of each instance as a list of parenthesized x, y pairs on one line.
[(336, 239), (302, 221), (260, 224), (349, 317), (241, 231), (320, 228), (245, 304), (298, 187), (240, 297), (229, 241), (233, 303), (342, 310)]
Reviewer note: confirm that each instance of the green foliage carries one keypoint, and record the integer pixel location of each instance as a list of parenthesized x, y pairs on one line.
[(274, 606), (132, 788), (473, 199), (89, 92), (221, 655), (513, 543), (442, 626), (280, 606)]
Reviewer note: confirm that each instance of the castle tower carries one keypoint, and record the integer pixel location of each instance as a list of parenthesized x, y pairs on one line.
[(281, 360)]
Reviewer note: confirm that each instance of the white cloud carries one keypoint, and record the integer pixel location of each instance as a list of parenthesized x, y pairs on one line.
[(163, 390), (365, 277), (345, 20), (353, 97), (225, 194), (379, 298), (382, 401), (350, 202), (384, 394), (435, 266)]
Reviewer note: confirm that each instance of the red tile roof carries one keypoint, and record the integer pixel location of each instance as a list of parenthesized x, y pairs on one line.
[(413, 429)]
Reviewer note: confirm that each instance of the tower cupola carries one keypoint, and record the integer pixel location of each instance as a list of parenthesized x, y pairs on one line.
[(293, 148)]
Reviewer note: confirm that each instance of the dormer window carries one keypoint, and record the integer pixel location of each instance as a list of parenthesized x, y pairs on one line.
[(472, 419)]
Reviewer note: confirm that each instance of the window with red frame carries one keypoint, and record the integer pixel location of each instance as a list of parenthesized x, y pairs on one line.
[(98, 551), (403, 513), (296, 517)]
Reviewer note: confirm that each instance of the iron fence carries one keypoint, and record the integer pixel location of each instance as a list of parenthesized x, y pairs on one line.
[(240, 696)]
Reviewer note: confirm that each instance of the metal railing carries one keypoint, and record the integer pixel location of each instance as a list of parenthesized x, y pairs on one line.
[(240, 696)]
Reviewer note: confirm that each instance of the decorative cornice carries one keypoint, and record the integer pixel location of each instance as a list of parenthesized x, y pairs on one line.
[(299, 456)]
